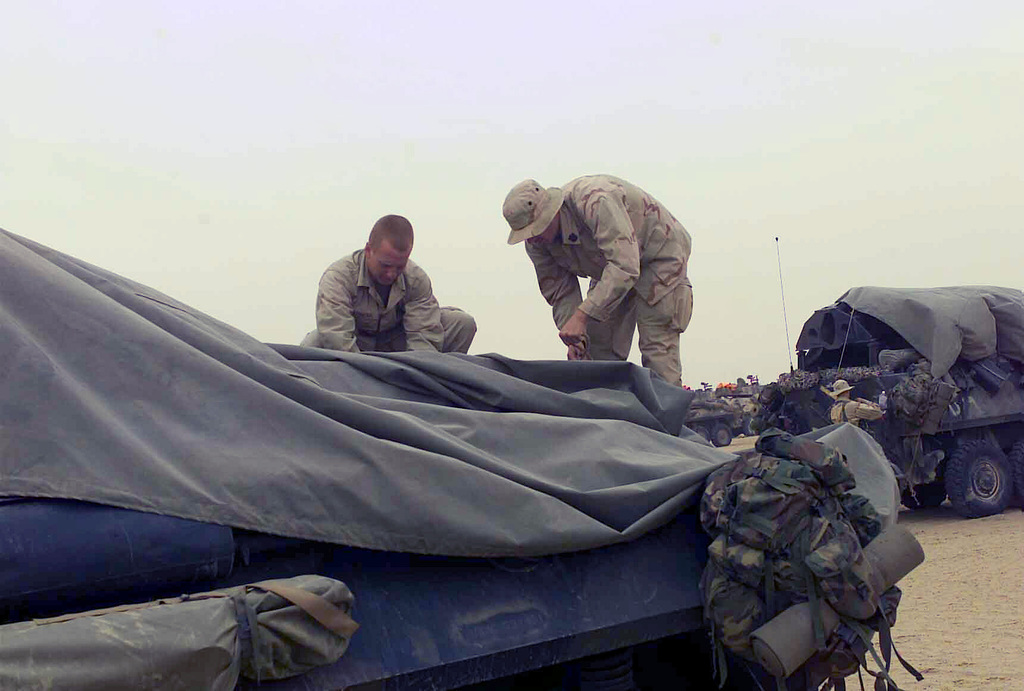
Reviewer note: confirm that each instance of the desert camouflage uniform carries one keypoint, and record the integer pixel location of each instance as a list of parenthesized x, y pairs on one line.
[(845, 410), (351, 316), (635, 253)]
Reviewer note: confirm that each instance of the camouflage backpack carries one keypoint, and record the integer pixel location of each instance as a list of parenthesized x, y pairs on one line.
[(785, 529), (914, 396)]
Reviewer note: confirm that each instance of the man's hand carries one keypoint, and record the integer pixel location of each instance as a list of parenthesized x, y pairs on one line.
[(573, 331), (578, 351)]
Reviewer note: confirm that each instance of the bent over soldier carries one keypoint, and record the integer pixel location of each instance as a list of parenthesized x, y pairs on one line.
[(378, 300), (632, 249)]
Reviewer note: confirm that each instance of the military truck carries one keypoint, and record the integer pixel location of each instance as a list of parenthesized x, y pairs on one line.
[(947, 366), (714, 420), (725, 411), (743, 398)]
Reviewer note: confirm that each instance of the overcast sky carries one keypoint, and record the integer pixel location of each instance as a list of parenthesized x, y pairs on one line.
[(226, 152)]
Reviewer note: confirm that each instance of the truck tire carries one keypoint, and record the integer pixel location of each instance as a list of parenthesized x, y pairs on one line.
[(979, 481), (722, 435), (702, 430), (926, 496), (1017, 465)]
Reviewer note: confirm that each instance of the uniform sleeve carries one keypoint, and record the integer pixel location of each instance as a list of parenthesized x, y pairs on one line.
[(334, 318), (617, 242), (867, 410), (422, 319), (559, 286)]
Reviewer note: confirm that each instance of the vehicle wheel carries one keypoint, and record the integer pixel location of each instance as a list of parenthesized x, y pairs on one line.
[(978, 479), (926, 496), (722, 436), (702, 431), (1017, 466)]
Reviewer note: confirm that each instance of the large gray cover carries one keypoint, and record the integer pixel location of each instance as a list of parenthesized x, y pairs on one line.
[(114, 393), (943, 324), (875, 477)]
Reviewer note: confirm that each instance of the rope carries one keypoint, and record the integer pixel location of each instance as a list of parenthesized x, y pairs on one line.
[(785, 321), (846, 338)]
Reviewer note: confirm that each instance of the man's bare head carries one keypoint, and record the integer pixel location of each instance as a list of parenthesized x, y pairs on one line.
[(395, 229), (388, 249)]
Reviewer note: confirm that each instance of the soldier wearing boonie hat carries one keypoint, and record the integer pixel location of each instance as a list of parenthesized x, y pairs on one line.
[(633, 250), (850, 410)]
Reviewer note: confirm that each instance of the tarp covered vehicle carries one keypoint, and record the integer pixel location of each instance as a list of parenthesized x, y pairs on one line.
[(490, 516), (947, 365)]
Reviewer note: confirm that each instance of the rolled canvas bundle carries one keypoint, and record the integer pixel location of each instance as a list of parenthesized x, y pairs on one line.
[(262, 631)]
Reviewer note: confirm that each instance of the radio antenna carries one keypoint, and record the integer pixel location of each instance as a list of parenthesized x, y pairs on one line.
[(846, 338), (782, 290)]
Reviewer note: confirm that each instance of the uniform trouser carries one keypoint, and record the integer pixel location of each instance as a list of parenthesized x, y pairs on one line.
[(659, 326), (459, 329)]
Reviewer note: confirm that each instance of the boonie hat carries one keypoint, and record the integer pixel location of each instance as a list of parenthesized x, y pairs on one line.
[(840, 386), (529, 208)]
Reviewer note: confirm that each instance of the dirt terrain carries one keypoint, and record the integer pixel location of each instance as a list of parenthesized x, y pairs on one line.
[(961, 620)]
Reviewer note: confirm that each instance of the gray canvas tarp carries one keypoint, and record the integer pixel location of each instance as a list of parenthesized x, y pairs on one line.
[(113, 393), (943, 324), (875, 477)]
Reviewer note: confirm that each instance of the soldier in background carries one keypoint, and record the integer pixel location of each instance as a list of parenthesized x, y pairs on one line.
[(378, 300), (852, 411), (633, 250)]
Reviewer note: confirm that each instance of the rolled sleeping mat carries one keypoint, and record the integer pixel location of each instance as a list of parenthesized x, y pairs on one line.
[(895, 553), (787, 641)]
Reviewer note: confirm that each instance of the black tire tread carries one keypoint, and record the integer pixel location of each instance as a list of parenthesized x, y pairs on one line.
[(957, 480), (1016, 459), (719, 433)]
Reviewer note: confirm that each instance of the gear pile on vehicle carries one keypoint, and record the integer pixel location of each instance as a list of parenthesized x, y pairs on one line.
[(946, 365)]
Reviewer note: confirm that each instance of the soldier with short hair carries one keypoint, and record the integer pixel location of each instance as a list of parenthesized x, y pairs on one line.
[(378, 300), (634, 251), (850, 410)]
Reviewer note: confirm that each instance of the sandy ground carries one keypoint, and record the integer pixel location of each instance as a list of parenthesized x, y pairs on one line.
[(961, 620)]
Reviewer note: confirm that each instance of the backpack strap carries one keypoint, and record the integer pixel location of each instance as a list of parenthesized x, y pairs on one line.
[(886, 642), (812, 597), (837, 413), (883, 680), (329, 615), (248, 629), (719, 664), (769, 587)]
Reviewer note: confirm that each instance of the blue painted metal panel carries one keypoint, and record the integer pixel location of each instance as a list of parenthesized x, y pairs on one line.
[(440, 623), (426, 622)]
